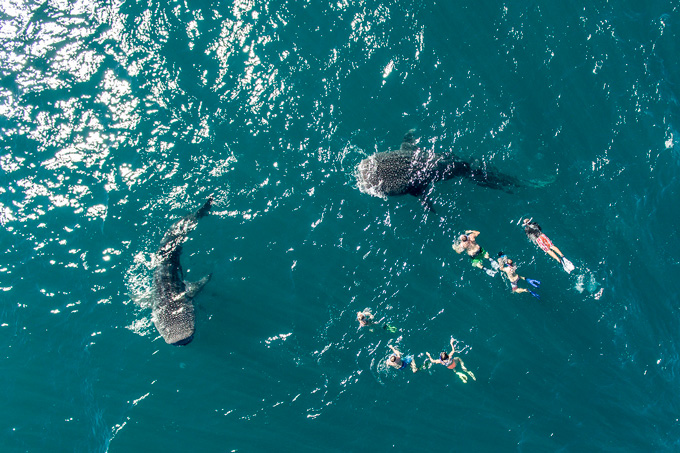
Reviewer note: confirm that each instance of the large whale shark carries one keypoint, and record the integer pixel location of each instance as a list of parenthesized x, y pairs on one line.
[(412, 170), (173, 308)]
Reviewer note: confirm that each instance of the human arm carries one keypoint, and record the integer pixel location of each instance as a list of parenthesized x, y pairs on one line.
[(431, 359), (395, 350), (472, 233)]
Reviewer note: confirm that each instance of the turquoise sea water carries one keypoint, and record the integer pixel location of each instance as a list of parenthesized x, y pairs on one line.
[(118, 118)]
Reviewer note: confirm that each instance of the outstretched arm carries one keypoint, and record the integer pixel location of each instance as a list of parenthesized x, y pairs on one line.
[(395, 350), (472, 233), (431, 359)]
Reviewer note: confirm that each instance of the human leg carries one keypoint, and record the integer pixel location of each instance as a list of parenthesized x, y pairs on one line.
[(462, 367), (556, 250), (551, 253)]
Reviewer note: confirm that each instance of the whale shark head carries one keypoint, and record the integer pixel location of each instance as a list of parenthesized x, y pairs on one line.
[(395, 172), (367, 178), (176, 321)]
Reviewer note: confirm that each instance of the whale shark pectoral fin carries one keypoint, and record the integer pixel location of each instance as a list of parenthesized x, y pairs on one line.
[(409, 143), (426, 201), (193, 288), (423, 194)]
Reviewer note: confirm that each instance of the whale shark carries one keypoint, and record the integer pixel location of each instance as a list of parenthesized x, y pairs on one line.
[(412, 170), (173, 308)]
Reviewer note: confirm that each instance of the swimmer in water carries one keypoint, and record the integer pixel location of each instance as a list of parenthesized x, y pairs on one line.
[(366, 319), (509, 268), (400, 362), (467, 242), (535, 234), (449, 361)]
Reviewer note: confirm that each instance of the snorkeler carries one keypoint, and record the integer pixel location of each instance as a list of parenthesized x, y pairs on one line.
[(396, 360), (366, 319), (449, 361), (510, 269), (534, 233), (467, 242)]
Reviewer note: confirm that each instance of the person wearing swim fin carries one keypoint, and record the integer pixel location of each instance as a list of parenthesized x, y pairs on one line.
[(449, 361), (367, 319), (467, 242), (508, 267), (400, 362), (535, 235)]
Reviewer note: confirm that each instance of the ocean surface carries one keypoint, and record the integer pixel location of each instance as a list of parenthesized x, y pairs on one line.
[(118, 118)]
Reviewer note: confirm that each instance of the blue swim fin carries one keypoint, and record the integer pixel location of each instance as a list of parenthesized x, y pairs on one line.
[(535, 295), (534, 283)]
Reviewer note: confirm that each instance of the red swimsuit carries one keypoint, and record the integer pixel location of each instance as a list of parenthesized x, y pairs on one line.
[(544, 243)]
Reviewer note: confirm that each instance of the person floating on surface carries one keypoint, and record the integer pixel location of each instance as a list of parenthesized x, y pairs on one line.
[(508, 267), (467, 242), (534, 233), (449, 361), (396, 360), (366, 319)]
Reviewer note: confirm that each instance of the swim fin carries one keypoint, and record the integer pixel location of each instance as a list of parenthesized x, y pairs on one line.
[(535, 295), (389, 328), (567, 265), (490, 272), (534, 283)]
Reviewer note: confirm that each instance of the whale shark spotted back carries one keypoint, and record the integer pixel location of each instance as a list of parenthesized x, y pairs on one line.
[(411, 170), (173, 309)]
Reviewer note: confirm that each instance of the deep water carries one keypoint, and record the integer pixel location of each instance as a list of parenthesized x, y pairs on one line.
[(118, 118)]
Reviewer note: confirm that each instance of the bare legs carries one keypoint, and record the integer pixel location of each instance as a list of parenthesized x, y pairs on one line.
[(464, 377)]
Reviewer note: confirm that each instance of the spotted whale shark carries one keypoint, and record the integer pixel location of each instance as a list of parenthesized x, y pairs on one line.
[(173, 308), (412, 170)]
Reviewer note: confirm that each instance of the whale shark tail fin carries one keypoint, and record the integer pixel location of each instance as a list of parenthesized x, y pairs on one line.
[(538, 183), (486, 176), (173, 238)]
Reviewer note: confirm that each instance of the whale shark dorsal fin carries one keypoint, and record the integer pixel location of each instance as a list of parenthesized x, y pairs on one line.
[(205, 208), (193, 288)]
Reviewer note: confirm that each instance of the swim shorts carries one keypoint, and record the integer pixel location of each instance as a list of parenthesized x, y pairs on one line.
[(406, 362), (544, 243), (479, 257)]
